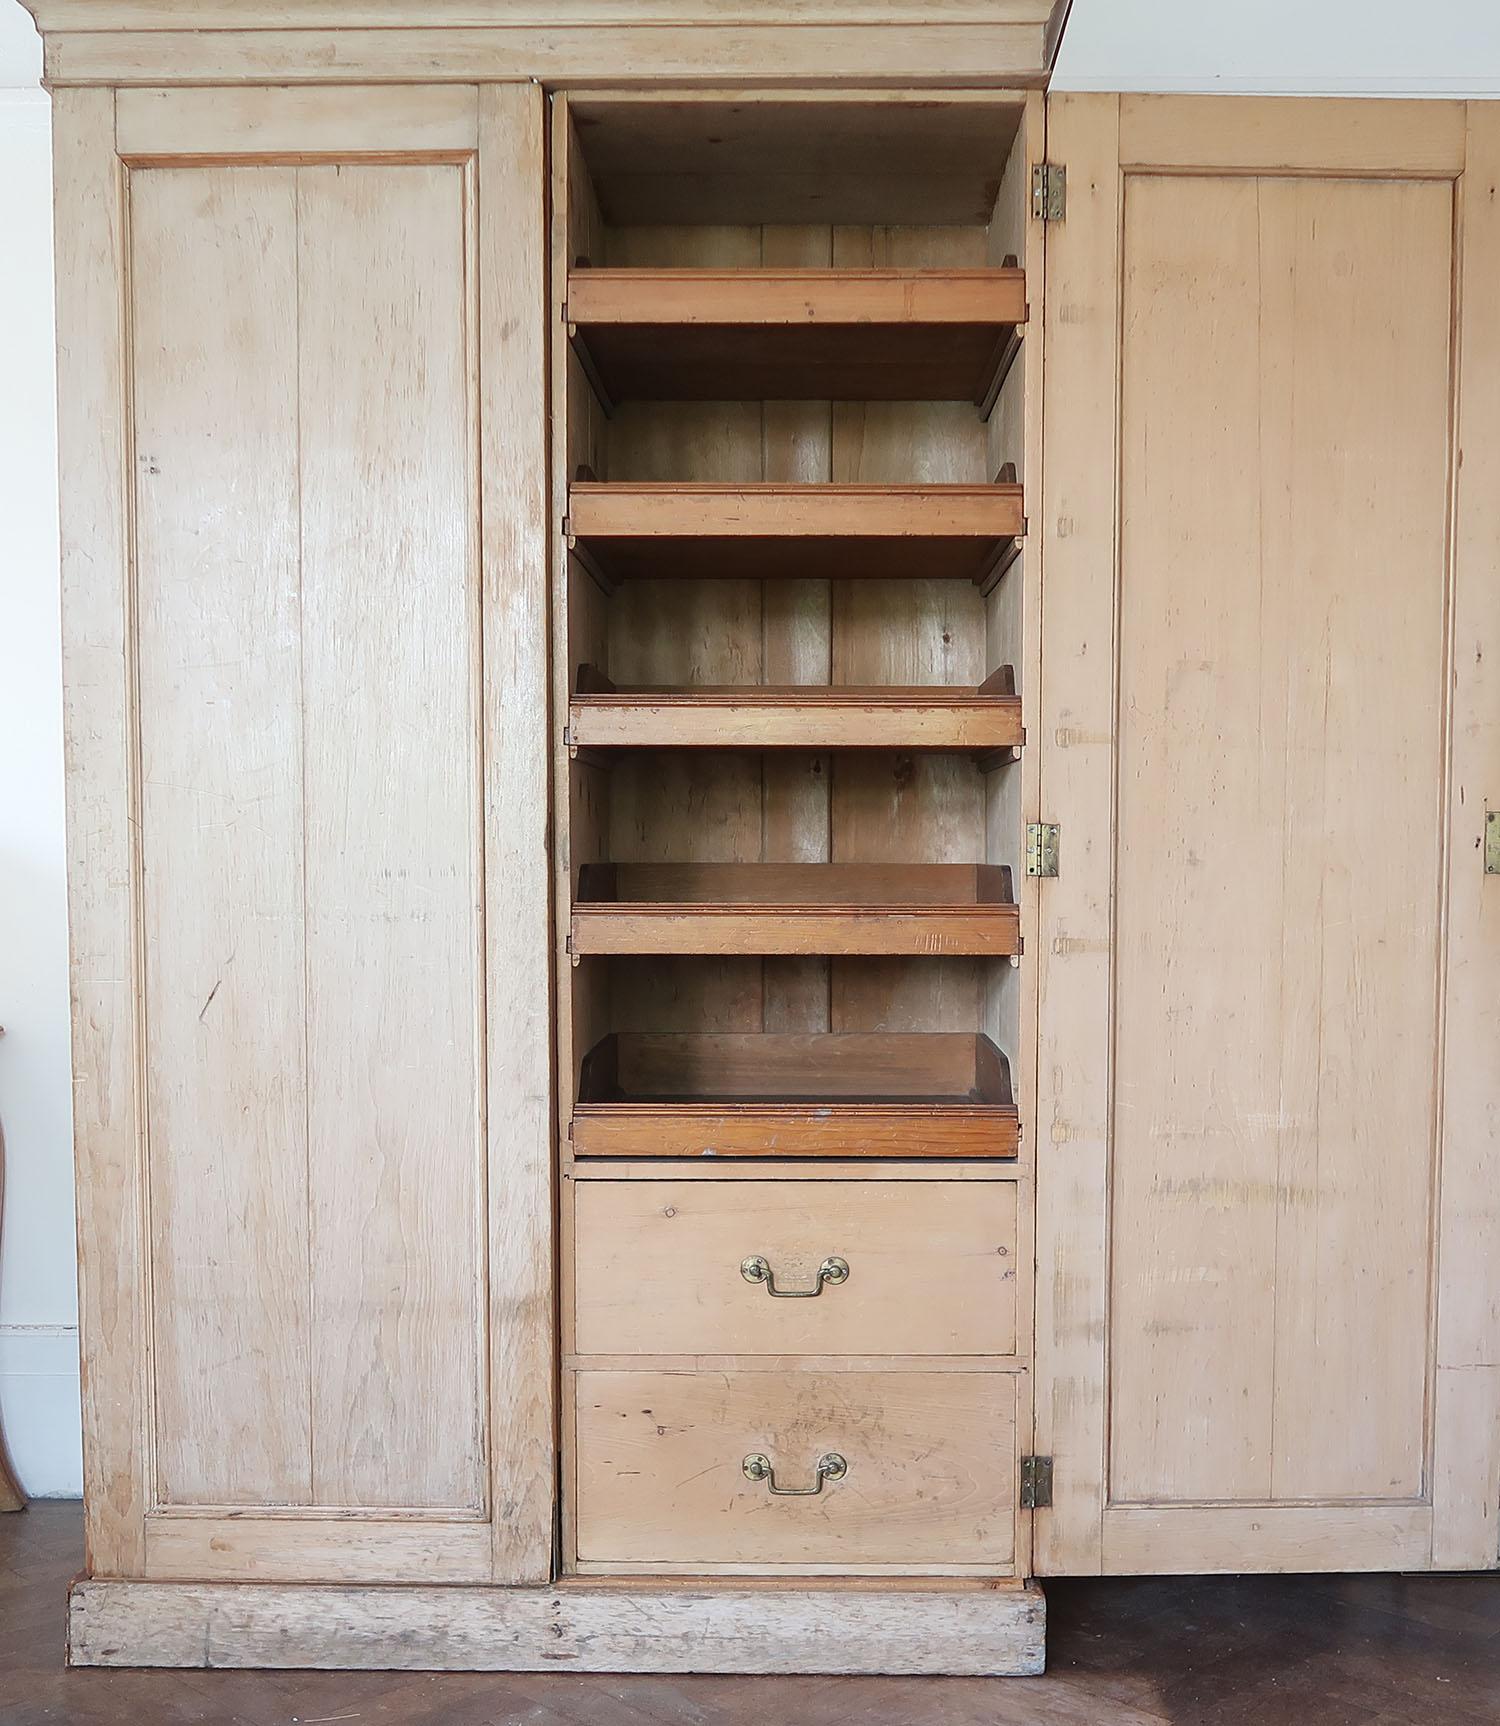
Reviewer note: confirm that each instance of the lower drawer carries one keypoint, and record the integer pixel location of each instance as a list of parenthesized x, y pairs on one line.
[(928, 1481)]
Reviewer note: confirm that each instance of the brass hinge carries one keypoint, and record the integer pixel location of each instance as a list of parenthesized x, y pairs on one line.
[(1049, 191), (1492, 841), (1041, 847), (1036, 1482)]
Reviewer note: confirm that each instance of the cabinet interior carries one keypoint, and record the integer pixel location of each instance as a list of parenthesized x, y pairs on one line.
[(766, 185)]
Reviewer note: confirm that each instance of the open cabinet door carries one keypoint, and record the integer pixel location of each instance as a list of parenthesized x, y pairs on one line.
[(1268, 1101)]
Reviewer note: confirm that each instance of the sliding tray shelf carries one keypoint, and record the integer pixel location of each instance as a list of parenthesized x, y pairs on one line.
[(933, 1094), (600, 716), (785, 908), (796, 335), (630, 532)]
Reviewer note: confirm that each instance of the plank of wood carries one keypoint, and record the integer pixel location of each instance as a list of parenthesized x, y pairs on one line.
[(782, 1169), (993, 54), (931, 1469), (216, 427), (1270, 134), (794, 908), (741, 530), (766, 718), (403, 14), (805, 334), (161, 124), (102, 792), (392, 706), (864, 1130), (1466, 1435), (931, 1269), (512, 364), (779, 296), (890, 929), (1212, 1539), (247, 1547), (598, 1626), (1073, 710)]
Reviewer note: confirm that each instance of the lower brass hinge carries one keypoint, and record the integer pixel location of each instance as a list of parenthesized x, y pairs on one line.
[(1036, 1482), (1042, 843)]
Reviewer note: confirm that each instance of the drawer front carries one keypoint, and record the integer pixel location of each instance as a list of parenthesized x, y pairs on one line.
[(930, 1459), (931, 1267)]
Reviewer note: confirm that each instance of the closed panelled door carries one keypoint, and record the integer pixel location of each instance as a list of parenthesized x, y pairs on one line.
[(305, 595), (1270, 962)]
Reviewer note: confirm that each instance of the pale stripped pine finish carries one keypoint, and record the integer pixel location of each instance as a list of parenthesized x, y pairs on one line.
[(1240, 991), (307, 907), (932, 1267), (930, 1488), (842, 1625)]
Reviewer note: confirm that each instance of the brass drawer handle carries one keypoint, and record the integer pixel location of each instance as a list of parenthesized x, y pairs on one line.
[(756, 1270), (829, 1467)]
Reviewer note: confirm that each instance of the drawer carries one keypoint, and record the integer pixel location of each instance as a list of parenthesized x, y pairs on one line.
[(659, 1267), (930, 1480)]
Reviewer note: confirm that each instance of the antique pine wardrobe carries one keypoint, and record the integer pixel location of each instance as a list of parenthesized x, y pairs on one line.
[(782, 891)]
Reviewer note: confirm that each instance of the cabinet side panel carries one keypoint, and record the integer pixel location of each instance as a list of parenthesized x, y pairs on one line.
[(103, 940), (393, 869), (219, 600), (1282, 605)]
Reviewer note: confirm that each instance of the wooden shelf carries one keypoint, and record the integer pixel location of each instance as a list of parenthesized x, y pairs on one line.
[(796, 335), (784, 908), (629, 532), (935, 1094), (600, 716)]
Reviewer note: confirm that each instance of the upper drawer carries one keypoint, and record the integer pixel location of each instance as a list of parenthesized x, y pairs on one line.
[(931, 1267)]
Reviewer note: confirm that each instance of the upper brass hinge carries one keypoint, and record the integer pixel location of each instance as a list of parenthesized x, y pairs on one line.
[(1042, 840), (1036, 1482), (1049, 191)]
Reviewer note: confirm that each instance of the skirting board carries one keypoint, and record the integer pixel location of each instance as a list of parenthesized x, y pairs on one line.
[(963, 1632)]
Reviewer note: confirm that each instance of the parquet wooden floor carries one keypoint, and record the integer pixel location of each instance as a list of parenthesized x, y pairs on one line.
[(1224, 1651)]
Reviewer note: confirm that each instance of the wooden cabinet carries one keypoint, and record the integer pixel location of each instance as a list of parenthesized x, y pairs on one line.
[(590, 548)]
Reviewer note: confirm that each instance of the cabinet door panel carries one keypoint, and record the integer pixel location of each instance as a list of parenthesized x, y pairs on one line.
[(1248, 706), (308, 723), (344, 1344)]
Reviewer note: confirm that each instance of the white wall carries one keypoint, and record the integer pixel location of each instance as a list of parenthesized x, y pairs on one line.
[(38, 1313), (1290, 47), (1347, 47)]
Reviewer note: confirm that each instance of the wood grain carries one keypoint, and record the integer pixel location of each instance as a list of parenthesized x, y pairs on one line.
[(223, 830), (994, 54), (931, 1268), (514, 728), (102, 790), (795, 334), (592, 1627), (391, 705), (931, 1469), (1466, 1436)]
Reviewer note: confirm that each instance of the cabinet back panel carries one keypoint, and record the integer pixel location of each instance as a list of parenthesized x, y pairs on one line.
[(1279, 786), (307, 608)]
